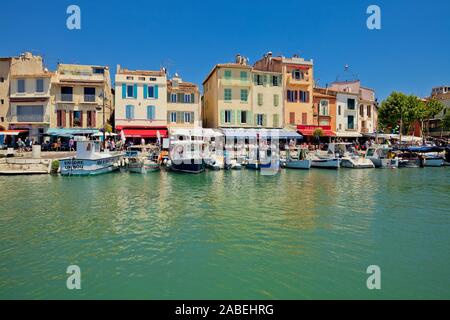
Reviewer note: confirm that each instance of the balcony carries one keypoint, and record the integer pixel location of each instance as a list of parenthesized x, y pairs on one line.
[(302, 82), (29, 118), (89, 98), (64, 97), (235, 82)]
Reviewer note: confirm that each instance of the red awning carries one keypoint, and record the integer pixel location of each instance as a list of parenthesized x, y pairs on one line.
[(144, 133), (12, 132), (309, 130)]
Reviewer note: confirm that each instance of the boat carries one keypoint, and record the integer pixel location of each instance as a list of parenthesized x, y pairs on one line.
[(142, 159), (350, 158), (325, 160), (409, 160), (382, 156), (89, 160), (297, 159), (187, 156), (432, 160), (263, 158)]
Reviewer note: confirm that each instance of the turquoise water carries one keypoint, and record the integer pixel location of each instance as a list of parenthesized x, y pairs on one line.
[(220, 235)]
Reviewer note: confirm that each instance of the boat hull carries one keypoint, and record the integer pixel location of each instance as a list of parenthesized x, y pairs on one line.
[(384, 163), (191, 166), (298, 164), (84, 167), (355, 164), (434, 162), (325, 163)]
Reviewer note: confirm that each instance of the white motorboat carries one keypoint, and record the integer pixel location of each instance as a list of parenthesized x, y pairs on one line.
[(382, 156), (433, 160), (350, 158)]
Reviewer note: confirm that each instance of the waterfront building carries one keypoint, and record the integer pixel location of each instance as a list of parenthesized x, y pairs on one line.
[(29, 107), (141, 103), (347, 115), (324, 114), (367, 115), (442, 94), (183, 104), (82, 97), (297, 75), (239, 96), (4, 92), (227, 96)]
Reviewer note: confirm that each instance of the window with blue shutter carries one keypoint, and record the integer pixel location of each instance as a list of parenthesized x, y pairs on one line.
[(135, 91), (145, 91), (130, 91), (156, 91), (124, 90), (150, 112), (129, 112)]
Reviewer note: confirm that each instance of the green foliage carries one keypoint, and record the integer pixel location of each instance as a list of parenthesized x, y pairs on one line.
[(107, 127), (55, 166), (318, 133), (446, 122)]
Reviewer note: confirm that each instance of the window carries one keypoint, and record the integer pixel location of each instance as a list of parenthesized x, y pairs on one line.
[(173, 117), (276, 100), (304, 96), (275, 120), (340, 126), (90, 118), (98, 70), (351, 104), (244, 76), (260, 79), (78, 118), (40, 85), (260, 99), (173, 98), (187, 98), (21, 86), (243, 116), (130, 91), (89, 94), (2, 101), (361, 110), (298, 74), (151, 91), (30, 113), (259, 119), (227, 74), (129, 112), (130, 78), (227, 94), (60, 118), (141, 78), (187, 117), (350, 122), (2, 79), (244, 95), (227, 116), (369, 111), (150, 112), (304, 118), (292, 96), (323, 108), (339, 110), (66, 93), (275, 81), (292, 117)]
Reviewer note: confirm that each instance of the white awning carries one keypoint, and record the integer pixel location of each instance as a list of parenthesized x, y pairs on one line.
[(263, 133), (348, 134)]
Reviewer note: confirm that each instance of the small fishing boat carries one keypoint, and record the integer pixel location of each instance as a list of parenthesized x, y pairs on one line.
[(141, 159), (187, 156), (409, 160), (350, 158), (263, 158), (382, 156), (297, 159), (89, 160), (325, 162)]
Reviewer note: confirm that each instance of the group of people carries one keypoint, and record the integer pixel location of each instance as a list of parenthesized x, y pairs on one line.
[(24, 145)]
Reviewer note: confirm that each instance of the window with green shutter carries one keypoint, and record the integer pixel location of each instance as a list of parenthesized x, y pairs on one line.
[(276, 100), (227, 94), (227, 74), (260, 99), (244, 95), (275, 121), (244, 76)]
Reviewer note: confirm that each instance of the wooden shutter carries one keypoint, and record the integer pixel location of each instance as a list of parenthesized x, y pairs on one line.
[(145, 91), (71, 119), (192, 117), (124, 90), (239, 117), (222, 116), (304, 118), (88, 119), (63, 118), (179, 117), (81, 119), (192, 98), (135, 91), (93, 119), (292, 117), (249, 118), (58, 118)]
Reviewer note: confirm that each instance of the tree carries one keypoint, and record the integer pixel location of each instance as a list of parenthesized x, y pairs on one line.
[(398, 108), (445, 124), (317, 134)]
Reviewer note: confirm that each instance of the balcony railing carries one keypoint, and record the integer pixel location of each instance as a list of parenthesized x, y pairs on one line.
[(65, 97), (89, 98)]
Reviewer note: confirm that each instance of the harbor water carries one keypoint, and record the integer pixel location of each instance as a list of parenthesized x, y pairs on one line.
[(227, 235)]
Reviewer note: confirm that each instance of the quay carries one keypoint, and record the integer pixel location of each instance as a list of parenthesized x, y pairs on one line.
[(25, 164)]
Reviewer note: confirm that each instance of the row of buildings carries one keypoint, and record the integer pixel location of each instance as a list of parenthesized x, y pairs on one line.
[(274, 92)]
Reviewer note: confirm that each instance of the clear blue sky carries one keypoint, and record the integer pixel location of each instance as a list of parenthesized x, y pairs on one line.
[(411, 53)]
